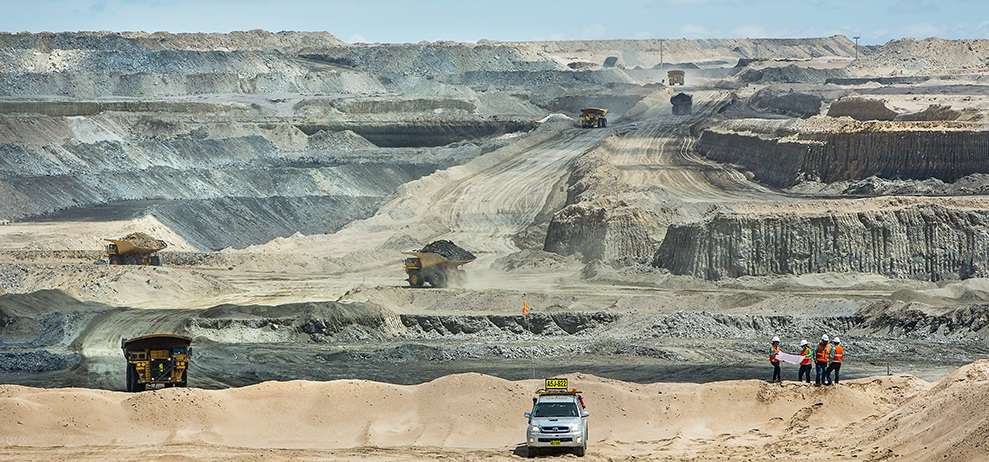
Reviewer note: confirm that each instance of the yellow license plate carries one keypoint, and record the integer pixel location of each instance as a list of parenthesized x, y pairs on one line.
[(554, 443), (557, 384)]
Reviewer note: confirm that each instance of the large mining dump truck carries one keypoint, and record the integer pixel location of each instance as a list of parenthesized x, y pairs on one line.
[(157, 360), (682, 104), (593, 117), (436, 264), (675, 77), (135, 249)]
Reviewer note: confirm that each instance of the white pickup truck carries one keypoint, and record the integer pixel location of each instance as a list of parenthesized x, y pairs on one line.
[(558, 419)]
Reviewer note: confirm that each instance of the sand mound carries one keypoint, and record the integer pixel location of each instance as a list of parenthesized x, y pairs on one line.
[(465, 410), (932, 55), (948, 422)]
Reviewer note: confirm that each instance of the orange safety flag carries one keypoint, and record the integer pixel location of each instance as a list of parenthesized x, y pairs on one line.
[(525, 308)]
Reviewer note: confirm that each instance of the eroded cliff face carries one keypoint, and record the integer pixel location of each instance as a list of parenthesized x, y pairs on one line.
[(919, 242), (898, 150), (597, 223), (599, 233)]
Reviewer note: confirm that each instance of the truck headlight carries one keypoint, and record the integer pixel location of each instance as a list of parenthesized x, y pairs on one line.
[(579, 438), (534, 429)]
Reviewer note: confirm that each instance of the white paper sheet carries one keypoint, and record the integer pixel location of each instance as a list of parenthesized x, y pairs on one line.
[(788, 358)]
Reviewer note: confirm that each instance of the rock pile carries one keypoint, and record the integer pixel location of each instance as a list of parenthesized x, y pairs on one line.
[(449, 250), (144, 241), (791, 103)]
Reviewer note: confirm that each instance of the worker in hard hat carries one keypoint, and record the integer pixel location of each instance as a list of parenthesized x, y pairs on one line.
[(773, 351), (822, 355), (804, 374), (836, 359)]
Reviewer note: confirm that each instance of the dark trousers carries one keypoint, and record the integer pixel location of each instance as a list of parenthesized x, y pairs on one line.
[(822, 374), (804, 372), (776, 373), (836, 368)]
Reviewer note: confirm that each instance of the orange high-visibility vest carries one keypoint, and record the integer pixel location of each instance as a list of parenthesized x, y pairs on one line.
[(806, 354), (839, 354), (823, 353)]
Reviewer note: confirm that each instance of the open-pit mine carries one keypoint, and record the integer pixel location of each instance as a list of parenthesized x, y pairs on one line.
[(806, 187)]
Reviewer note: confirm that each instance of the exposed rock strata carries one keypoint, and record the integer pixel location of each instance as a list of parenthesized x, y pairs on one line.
[(919, 242), (903, 151)]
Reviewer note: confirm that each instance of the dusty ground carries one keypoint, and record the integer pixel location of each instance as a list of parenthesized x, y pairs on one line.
[(476, 417)]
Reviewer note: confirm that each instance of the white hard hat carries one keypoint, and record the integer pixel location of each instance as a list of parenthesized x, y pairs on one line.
[(824, 338), (837, 340), (776, 338), (803, 343)]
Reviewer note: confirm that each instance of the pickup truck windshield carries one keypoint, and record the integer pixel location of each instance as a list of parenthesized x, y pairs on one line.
[(555, 410)]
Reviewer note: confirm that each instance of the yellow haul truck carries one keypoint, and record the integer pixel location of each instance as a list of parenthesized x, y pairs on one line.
[(675, 78), (593, 117), (135, 249), (432, 268), (158, 359)]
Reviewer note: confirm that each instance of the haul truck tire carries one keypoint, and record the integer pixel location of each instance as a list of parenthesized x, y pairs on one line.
[(438, 279), (132, 384)]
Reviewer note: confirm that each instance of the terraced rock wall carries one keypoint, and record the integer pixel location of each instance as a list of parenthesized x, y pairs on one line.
[(216, 183), (901, 154), (920, 242)]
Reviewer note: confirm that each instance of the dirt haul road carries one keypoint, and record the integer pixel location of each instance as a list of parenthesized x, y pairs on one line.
[(481, 205), (477, 417), (660, 154)]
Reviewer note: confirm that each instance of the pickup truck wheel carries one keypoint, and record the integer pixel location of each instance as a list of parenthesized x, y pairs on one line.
[(530, 453), (580, 451)]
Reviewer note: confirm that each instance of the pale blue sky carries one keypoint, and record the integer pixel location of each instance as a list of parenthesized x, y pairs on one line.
[(468, 20)]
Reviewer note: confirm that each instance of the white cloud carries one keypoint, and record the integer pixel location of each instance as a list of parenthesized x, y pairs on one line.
[(358, 38)]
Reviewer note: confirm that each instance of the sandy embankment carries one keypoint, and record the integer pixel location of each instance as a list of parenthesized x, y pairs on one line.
[(476, 416)]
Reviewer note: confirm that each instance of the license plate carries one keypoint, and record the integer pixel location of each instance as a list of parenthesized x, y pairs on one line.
[(557, 384), (554, 443)]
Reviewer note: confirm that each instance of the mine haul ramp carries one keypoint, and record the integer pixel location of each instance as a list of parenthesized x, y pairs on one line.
[(157, 360), (432, 268)]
